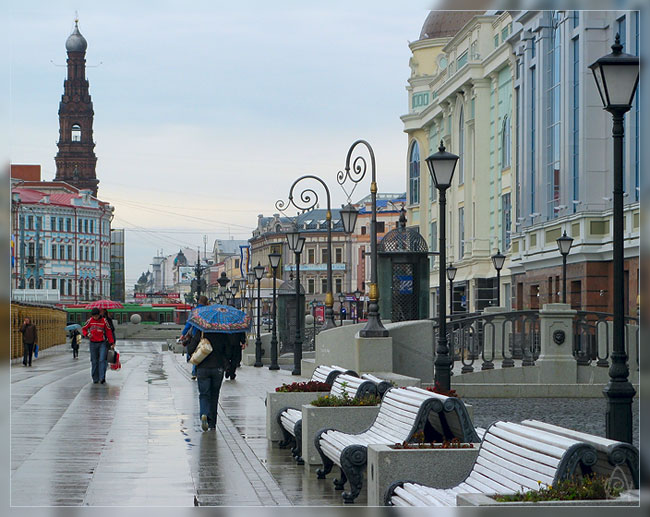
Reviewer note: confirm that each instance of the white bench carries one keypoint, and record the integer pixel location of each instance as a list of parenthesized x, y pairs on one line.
[(512, 457), (290, 419), (402, 413), (611, 454)]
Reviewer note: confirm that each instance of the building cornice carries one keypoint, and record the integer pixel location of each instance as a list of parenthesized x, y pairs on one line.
[(427, 43), (466, 29)]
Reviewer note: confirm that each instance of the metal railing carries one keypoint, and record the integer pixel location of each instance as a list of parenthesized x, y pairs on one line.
[(592, 338)]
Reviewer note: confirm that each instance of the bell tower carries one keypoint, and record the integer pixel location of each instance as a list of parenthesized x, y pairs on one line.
[(76, 160)]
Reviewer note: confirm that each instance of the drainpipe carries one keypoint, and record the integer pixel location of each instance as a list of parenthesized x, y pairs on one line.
[(21, 219), (37, 272), (75, 286)]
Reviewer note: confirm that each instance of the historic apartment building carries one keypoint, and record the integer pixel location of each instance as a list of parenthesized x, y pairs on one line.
[(460, 92), (564, 149)]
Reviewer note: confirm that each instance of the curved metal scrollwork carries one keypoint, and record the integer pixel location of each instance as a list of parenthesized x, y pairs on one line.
[(356, 168), (307, 198)]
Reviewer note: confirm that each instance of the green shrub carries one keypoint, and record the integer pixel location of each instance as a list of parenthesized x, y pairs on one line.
[(590, 487), (346, 400)]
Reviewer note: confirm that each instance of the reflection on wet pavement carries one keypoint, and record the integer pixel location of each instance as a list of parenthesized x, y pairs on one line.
[(136, 441)]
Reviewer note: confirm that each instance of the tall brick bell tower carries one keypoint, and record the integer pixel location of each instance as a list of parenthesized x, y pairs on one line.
[(76, 160)]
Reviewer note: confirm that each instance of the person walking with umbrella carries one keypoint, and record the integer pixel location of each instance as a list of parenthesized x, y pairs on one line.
[(101, 337), (185, 335), (215, 323)]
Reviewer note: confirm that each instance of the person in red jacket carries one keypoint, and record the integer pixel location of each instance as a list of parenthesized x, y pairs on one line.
[(97, 330)]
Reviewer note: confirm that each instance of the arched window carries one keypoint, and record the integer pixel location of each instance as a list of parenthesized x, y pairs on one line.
[(461, 147), (87, 288), (505, 143), (31, 283), (414, 174), (92, 289), (81, 288), (76, 133)]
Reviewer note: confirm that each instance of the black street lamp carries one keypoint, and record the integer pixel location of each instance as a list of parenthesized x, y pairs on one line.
[(497, 260), (307, 200), (228, 294), (374, 326), (199, 283), (296, 244), (274, 259), (617, 77), (342, 303), (250, 281), (234, 287), (451, 274), (259, 273), (564, 245), (441, 167), (357, 297)]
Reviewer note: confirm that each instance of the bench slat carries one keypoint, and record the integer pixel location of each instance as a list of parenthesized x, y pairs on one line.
[(501, 472), (549, 450), (598, 442), (519, 460), (539, 457), (538, 435), (519, 467)]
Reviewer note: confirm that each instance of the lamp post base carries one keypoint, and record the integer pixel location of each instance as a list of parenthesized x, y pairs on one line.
[(618, 416), (258, 354), (374, 327)]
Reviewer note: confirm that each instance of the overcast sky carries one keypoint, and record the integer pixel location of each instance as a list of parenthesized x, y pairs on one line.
[(204, 115)]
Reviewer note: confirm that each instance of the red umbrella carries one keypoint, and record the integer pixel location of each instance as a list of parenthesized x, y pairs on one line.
[(104, 304)]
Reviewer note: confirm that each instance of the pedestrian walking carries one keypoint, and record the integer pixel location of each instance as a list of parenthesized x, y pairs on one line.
[(97, 330), (30, 339), (75, 341), (209, 376), (236, 344), (186, 335)]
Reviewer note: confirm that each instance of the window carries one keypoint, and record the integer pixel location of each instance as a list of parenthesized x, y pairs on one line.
[(92, 289), (87, 288), (324, 255), (433, 243), (310, 285), (85, 225), (622, 31), (575, 100), (506, 207), (92, 253), (381, 227), (70, 291), (86, 253), (461, 61), (30, 222), (339, 255), (68, 224), (61, 252), (92, 226), (54, 283), (53, 251), (461, 147), (80, 225), (517, 152), (31, 283), (323, 285), (505, 143), (311, 255), (76, 133), (576, 18), (496, 40), (363, 230), (30, 250), (62, 287), (39, 222), (236, 263), (461, 232), (338, 283), (52, 223), (69, 251), (553, 117), (81, 288), (60, 224), (414, 174)]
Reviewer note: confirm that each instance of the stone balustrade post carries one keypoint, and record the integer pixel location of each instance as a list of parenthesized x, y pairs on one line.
[(556, 361)]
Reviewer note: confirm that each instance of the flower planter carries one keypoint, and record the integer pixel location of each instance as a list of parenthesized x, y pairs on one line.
[(442, 468), (277, 401), (627, 498), (349, 419)]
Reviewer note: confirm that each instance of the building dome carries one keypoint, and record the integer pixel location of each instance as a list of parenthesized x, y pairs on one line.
[(76, 42), (445, 24), (181, 259)]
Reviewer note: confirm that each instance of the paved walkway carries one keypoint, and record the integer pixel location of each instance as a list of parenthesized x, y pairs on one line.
[(136, 441)]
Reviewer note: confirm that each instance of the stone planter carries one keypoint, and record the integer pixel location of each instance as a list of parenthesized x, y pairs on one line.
[(441, 468), (349, 419), (627, 498), (276, 402)]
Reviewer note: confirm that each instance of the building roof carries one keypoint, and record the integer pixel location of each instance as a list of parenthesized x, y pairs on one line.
[(53, 193), (229, 246), (445, 24), (76, 42)]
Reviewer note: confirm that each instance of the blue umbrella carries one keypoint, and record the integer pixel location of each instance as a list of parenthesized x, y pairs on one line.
[(73, 326), (220, 319)]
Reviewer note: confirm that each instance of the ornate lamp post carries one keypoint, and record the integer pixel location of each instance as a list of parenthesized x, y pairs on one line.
[(228, 294), (274, 259), (617, 77), (451, 274), (259, 273), (342, 303), (234, 287), (374, 326), (308, 199), (564, 245), (296, 244), (357, 297), (250, 281), (497, 260), (441, 167)]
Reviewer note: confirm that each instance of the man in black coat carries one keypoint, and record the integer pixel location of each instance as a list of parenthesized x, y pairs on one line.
[(209, 376), (236, 343)]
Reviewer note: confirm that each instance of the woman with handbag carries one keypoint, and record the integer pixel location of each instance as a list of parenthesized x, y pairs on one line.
[(209, 373)]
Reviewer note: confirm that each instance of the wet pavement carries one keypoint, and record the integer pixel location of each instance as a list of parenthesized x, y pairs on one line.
[(136, 441)]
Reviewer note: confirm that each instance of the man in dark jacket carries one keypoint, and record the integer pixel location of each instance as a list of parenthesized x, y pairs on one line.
[(236, 343), (209, 376), (30, 338)]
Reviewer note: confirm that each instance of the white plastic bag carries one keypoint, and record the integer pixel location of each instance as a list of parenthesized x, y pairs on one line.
[(203, 350)]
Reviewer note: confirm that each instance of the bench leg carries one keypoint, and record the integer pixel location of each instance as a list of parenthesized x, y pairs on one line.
[(327, 463), (340, 481), (353, 462), (297, 429)]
